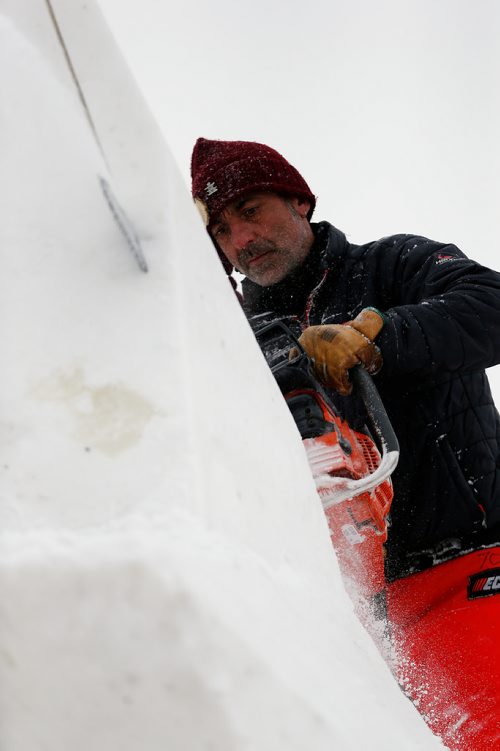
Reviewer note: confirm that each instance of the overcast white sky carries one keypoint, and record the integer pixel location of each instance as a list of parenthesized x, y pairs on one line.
[(390, 109)]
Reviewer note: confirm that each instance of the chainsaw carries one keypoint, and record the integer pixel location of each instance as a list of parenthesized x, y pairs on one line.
[(351, 467)]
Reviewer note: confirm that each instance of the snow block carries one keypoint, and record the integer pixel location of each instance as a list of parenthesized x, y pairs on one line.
[(166, 572)]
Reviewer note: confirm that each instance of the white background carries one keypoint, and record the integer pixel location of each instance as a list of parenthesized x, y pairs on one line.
[(390, 109)]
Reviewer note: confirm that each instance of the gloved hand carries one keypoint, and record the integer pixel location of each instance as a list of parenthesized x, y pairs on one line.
[(335, 348)]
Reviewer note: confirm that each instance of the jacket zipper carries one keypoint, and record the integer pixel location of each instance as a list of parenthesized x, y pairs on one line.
[(311, 300)]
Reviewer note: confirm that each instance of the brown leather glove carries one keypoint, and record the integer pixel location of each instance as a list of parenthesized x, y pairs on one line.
[(335, 348)]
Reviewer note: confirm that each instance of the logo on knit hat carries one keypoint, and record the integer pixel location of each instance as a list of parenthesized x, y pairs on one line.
[(484, 584), (210, 189)]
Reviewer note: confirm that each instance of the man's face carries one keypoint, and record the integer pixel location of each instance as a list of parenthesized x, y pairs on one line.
[(264, 236)]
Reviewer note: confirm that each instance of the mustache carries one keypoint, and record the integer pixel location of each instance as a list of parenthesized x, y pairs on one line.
[(257, 248)]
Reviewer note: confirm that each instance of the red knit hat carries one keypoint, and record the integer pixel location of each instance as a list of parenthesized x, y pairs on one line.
[(222, 171)]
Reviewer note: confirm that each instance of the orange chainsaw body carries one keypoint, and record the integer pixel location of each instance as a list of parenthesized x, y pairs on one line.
[(358, 525)]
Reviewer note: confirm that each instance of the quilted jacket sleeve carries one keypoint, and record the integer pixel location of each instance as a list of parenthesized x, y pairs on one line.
[(444, 309)]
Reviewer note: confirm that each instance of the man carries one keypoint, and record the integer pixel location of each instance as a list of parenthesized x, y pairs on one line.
[(425, 320)]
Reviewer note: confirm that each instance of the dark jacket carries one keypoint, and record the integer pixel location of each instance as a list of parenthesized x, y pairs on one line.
[(442, 331)]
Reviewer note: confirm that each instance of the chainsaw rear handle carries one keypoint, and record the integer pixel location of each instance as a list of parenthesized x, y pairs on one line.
[(375, 409), (338, 489)]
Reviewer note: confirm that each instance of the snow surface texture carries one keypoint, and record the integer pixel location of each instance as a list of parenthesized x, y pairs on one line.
[(166, 572)]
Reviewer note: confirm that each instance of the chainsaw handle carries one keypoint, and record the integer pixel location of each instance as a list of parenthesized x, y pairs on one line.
[(379, 419), (337, 489)]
